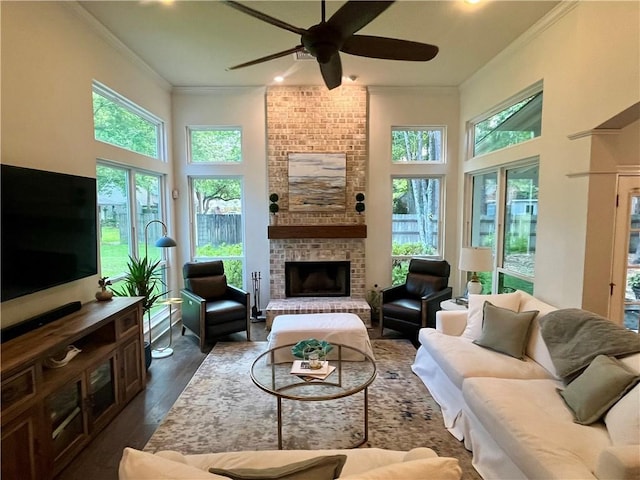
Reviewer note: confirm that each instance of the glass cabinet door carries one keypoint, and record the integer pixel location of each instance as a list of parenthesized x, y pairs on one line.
[(64, 408), (101, 389)]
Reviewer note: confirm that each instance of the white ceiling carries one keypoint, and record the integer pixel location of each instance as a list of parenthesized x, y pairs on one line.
[(191, 43)]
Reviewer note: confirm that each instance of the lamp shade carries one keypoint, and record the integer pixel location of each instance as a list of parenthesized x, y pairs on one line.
[(165, 242), (476, 259)]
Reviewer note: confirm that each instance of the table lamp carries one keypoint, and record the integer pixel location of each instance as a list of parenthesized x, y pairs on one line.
[(475, 259)]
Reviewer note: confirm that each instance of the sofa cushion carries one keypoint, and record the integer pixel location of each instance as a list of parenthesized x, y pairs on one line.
[(319, 468), (535, 429), (536, 348), (619, 463), (504, 330), (442, 468), (473, 330), (623, 419), (137, 465), (598, 388), (460, 358), (358, 459)]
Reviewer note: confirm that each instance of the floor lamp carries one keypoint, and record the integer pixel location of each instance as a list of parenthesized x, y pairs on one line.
[(163, 242), (475, 259)]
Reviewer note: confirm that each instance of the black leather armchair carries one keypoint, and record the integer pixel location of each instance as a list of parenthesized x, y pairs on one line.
[(210, 307), (413, 305)]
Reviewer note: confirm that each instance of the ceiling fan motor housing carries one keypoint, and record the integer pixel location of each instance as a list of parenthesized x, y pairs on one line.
[(322, 41)]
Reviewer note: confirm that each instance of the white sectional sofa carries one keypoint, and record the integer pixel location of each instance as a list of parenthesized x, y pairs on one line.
[(509, 411), (360, 464)]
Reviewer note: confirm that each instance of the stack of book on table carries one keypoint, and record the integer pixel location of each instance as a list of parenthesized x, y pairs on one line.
[(302, 369)]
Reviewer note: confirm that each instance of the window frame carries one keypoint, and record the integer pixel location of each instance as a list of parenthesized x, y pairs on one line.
[(534, 89), (418, 128), (123, 102), (203, 128), (439, 254), (500, 219), (193, 224)]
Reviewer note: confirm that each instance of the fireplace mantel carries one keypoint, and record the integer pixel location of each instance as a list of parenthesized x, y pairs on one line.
[(316, 231)]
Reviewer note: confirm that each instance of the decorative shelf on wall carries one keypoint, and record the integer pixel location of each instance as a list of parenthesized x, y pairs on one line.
[(316, 231)]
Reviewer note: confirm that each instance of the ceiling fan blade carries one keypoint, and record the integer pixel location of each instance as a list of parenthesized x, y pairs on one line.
[(332, 72), (264, 17), (355, 14), (388, 48), (267, 58)]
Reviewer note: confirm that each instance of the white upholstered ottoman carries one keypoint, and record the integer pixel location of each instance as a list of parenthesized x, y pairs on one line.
[(344, 328)]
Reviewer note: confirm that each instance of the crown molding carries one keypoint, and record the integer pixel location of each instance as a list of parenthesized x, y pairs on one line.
[(551, 18), (594, 131)]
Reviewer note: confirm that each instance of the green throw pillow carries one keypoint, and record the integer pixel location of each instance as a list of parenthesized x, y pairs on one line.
[(605, 381), (504, 330), (319, 468)]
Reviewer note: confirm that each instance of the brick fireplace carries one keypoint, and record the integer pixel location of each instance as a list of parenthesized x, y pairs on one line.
[(315, 120)]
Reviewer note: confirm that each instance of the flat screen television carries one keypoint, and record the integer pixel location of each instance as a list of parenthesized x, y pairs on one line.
[(49, 230)]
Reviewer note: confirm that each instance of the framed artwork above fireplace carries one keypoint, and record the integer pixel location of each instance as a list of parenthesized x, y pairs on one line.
[(317, 182)]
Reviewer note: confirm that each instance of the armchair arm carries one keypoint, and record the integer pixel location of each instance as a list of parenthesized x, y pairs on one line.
[(193, 308), (430, 304), (237, 294), (390, 294)]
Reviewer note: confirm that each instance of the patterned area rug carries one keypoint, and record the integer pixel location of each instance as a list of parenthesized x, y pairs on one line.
[(222, 410)]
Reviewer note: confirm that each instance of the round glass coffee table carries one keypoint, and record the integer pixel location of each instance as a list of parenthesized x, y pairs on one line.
[(346, 378)]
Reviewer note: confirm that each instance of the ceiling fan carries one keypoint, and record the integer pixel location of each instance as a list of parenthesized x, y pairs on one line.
[(326, 39)]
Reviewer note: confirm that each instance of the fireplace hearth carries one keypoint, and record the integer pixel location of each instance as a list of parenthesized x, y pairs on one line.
[(318, 279)]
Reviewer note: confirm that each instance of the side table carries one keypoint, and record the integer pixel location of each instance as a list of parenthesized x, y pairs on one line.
[(452, 305)]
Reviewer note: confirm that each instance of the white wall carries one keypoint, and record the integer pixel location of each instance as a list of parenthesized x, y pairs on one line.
[(49, 58), (391, 107), (589, 61), (240, 107)]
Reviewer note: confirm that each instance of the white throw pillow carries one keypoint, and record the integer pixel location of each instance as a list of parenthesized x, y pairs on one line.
[(442, 468), (623, 419), (473, 330), (137, 465)]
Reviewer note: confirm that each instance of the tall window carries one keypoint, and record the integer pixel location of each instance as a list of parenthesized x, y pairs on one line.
[(217, 223), (120, 122), (128, 198), (215, 144), (518, 121), (416, 197), (417, 144), (510, 194), (484, 220), (123, 215), (415, 222)]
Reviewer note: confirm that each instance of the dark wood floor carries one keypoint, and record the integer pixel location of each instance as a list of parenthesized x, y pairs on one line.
[(166, 379)]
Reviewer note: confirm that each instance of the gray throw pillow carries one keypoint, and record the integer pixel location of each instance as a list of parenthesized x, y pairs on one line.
[(504, 330), (605, 381), (319, 468)]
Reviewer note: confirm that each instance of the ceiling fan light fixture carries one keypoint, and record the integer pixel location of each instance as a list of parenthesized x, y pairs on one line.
[(303, 55)]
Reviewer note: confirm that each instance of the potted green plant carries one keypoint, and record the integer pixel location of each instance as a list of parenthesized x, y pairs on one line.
[(104, 295), (634, 283), (373, 299), (143, 279), (274, 208)]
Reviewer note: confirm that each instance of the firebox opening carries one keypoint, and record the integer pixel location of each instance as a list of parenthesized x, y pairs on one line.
[(317, 279)]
